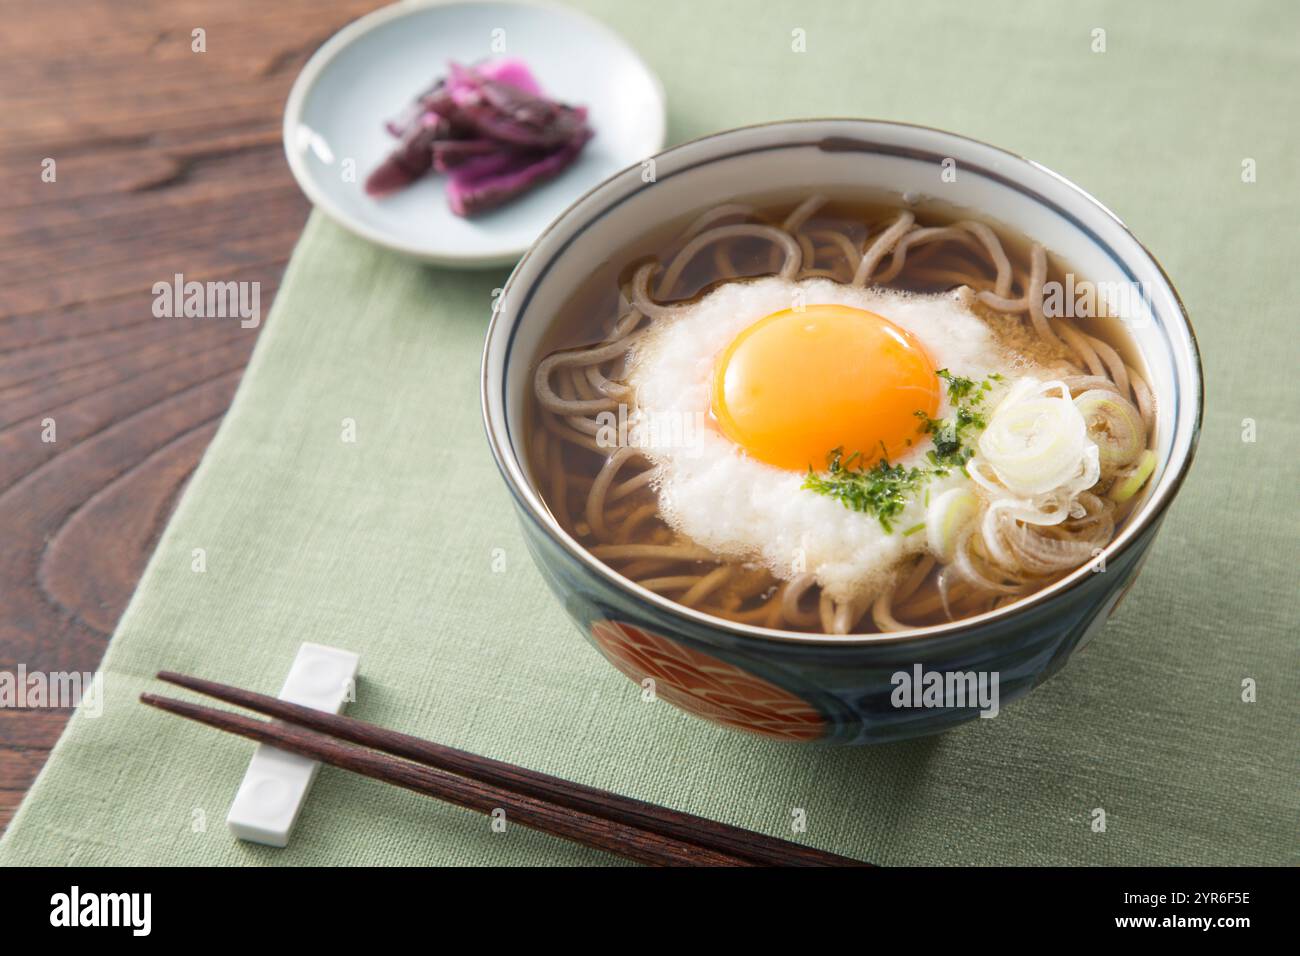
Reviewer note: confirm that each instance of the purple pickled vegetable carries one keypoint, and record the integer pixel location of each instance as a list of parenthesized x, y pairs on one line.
[(451, 153), (490, 129), (508, 114), (471, 194), (493, 164), (412, 158), (512, 73), (401, 124)]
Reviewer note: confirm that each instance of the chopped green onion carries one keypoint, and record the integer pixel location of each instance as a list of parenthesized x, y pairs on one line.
[(883, 490), (1130, 483)]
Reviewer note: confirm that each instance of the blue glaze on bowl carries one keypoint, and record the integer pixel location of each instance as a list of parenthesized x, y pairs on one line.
[(812, 687), (845, 689)]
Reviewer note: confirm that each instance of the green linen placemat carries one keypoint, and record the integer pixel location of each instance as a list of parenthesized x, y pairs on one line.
[(386, 546)]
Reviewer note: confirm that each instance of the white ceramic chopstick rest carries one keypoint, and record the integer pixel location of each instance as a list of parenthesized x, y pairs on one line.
[(276, 784)]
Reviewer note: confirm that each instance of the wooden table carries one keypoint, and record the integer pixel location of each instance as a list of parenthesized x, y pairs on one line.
[(166, 160)]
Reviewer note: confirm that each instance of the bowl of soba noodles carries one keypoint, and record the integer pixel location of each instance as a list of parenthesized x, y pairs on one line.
[(840, 431)]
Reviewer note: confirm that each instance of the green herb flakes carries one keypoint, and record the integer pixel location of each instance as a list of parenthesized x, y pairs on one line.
[(882, 489)]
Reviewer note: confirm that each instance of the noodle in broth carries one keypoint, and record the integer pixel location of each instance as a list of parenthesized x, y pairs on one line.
[(605, 497)]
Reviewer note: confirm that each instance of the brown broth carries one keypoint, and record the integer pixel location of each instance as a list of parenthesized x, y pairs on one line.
[(589, 315)]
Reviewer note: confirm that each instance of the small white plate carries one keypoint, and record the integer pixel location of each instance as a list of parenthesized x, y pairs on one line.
[(372, 69)]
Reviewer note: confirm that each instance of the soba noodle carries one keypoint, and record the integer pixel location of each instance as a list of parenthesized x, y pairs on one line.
[(605, 496)]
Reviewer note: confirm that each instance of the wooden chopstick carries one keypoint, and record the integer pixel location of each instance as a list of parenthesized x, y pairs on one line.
[(632, 843), (743, 846)]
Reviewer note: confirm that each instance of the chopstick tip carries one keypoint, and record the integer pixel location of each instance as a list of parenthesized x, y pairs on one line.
[(162, 703)]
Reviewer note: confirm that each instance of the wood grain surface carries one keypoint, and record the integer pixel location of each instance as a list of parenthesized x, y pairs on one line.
[(166, 160)]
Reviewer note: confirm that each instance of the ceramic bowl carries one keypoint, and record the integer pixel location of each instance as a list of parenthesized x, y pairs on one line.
[(812, 687)]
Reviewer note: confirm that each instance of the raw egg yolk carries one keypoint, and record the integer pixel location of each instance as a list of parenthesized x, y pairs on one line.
[(797, 384)]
